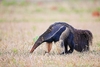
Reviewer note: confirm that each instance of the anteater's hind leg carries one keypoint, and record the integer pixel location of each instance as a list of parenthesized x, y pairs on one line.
[(71, 43)]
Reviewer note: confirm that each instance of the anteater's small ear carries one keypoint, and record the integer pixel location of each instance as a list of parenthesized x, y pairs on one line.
[(50, 29)]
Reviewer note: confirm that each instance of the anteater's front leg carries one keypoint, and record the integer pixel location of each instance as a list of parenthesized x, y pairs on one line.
[(49, 47)]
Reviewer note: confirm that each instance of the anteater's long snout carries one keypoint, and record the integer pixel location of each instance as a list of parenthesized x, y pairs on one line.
[(34, 47), (37, 43)]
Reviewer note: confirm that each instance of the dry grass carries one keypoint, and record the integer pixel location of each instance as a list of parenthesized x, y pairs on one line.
[(16, 42), (17, 37)]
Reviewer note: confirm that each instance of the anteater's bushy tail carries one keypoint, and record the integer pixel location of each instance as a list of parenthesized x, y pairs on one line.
[(82, 39)]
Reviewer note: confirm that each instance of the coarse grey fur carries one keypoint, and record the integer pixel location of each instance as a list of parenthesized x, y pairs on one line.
[(61, 40)]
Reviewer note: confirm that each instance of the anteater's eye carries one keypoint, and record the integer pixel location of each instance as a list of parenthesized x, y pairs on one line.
[(42, 38)]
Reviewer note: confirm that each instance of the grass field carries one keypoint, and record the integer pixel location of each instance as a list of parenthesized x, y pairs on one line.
[(21, 24)]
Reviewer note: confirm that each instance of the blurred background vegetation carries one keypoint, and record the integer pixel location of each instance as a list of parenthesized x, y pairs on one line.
[(49, 10)]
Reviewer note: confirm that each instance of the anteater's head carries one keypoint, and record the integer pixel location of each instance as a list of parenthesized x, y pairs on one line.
[(37, 43)]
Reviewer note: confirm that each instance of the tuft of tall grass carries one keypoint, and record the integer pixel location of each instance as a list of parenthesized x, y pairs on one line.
[(14, 50), (35, 38)]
